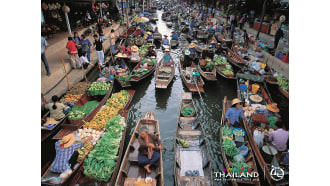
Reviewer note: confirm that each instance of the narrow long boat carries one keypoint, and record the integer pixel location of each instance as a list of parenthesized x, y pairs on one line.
[(284, 93), (209, 76), (48, 133), (131, 30), (248, 159), (164, 75), (227, 76), (138, 77), (130, 170), (266, 99), (81, 179), (197, 156), (235, 59), (190, 83), (68, 127)]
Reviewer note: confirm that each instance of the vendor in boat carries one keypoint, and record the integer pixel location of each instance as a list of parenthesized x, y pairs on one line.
[(234, 113), (149, 35), (151, 52), (213, 43), (138, 32), (65, 149), (187, 59), (174, 35), (165, 41), (194, 34), (192, 50), (219, 51), (242, 86), (271, 111), (279, 139), (119, 62), (57, 110), (107, 72), (149, 150), (167, 61), (135, 53)]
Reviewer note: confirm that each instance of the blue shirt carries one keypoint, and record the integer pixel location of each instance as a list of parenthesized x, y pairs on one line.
[(233, 115), (85, 45), (43, 44), (76, 40), (149, 37), (175, 37), (167, 58), (192, 52), (165, 41), (243, 87), (63, 155)]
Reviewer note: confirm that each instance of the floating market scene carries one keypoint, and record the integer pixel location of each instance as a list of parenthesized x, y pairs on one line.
[(164, 93)]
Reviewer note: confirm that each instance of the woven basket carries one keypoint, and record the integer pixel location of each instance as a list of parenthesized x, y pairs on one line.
[(188, 115), (75, 121)]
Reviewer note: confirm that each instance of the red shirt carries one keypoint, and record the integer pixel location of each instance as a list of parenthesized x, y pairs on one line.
[(128, 52), (72, 48)]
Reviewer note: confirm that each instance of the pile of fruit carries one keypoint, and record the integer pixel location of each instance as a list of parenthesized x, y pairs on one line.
[(98, 88), (184, 143), (226, 71), (76, 114), (110, 110), (143, 50), (230, 148), (84, 133), (150, 62), (220, 60), (70, 98), (102, 160), (283, 83), (79, 88)]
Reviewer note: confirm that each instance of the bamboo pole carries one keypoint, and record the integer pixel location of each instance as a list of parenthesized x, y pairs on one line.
[(82, 67), (66, 75), (126, 19)]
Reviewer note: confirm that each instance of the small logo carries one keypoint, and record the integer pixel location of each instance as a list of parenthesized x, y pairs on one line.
[(277, 174)]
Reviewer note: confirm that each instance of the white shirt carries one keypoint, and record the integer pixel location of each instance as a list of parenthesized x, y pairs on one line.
[(83, 59)]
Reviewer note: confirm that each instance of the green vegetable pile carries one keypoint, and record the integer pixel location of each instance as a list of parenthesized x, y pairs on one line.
[(226, 131), (220, 60), (77, 114), (123, 79), (188, 111), (283, 83), (98, 88), (152, 62), (102, 160), (144, 61), (210, 65), (143, 50), (230, 148), (239, 166), (87, 108), (226, 71)]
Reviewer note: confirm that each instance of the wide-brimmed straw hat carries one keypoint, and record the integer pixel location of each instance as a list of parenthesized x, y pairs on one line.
[(213, 42), (192, 45), (219, 44), (165, 35), (134, 48), (172, 31), (235, 101), (67, 141), (167, 50), (151, 46), (119, 55), (255, 98), (273, 107)]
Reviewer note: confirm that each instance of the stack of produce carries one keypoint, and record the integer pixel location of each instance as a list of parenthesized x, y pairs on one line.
[(226, 71), (76, 114), (70, 98), (184, 143), (227, 133), (98, 88), (143, 50), (102, 160), (230, 148), (110, 109), (220, 60), (150, 62), (84, 133), (283, 83), (124, 78), (79, 88)]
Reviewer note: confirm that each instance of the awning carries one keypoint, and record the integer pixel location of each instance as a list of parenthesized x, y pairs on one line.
[(251, 77)]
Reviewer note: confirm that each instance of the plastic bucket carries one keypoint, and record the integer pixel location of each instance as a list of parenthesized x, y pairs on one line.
[(266, 153), (255, 88)]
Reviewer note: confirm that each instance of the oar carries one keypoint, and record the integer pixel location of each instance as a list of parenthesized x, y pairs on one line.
[(66, 75), (82, 67)]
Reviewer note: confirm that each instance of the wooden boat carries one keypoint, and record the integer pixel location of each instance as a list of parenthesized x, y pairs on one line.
[(227, 76), (131, 30), (157, 36), (68, 127), (197, 156), (190, 84), (130, 170), (209, 76), (82, 179), (163, 79), (48, 133), (248, 159), (284, 93), (136, 78), (235, 59)]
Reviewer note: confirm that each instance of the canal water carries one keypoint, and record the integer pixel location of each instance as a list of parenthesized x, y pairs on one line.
[(166, 105)]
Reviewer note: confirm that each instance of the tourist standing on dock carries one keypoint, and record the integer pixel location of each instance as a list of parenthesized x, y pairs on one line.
[(86, 46), (278, 36), (44, 45), (98, 43), (76, 39), (73, 53), (112, 41)]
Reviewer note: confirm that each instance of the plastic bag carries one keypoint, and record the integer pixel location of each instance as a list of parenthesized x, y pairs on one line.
[(258, 137), (238, 158)]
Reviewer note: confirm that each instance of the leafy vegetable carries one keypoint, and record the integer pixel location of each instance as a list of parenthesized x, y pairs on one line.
[(283, 83), (210, 65), (230, 148), (226, 131), (220, 60)]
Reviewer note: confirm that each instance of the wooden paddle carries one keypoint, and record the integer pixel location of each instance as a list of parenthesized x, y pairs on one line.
[(66, 75)]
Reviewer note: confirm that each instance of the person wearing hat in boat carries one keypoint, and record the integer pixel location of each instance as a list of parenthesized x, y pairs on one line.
[(149, 150), (119, 62), (279, 139), (213, 43), (271, 110), (138, 31), (107, 72), (65, 148), (192, 50), (135, 53), (219, 51), (165, 41), (149, 36), (125, 50), (151, 52), (167, 61), (234, 113), (174, 35), (187, 59), (57, 110)]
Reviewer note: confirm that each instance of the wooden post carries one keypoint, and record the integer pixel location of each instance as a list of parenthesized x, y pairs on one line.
[(82, 67), (126, 18), (262, 18), (66, 75)]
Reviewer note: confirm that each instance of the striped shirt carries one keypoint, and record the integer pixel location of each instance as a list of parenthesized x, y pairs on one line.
[(279, 138), (63, 155)]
